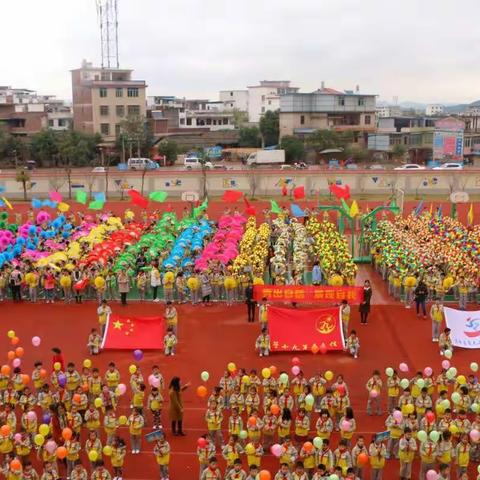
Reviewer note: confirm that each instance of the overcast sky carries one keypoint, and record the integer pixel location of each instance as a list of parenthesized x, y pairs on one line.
[(418, 50)]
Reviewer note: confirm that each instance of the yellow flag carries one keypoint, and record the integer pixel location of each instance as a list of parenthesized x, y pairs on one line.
[(63, 207), (354, 210), (470, 215)]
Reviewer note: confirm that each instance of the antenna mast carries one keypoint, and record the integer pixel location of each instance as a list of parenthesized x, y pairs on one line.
[(107, 12)]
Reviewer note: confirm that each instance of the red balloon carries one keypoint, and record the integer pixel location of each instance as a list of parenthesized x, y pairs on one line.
[(201, 442), (430, 417), (295, 361), (323, 349)]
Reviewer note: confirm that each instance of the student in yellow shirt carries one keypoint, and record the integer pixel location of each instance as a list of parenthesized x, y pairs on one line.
[(436, 314), (155, 405), (110, 424), (462, 455), (73, 452), (139, 397), (136, 423), (112, 377), (117, 458)]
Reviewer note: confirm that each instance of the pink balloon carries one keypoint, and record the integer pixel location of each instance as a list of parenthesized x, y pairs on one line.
[(346, 426), (428, 371), (122, 388), (295, 369), (16, 362), (474, 435), (156, 382), (446, 364), (32, 416), (397, 415), (17, 437), (150, 379), (373, 394), (50, 446), (36, 341), (432, 475), (276, 450), (403, 367)]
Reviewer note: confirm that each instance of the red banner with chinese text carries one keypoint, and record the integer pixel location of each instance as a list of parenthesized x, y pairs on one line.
[(293, 330), (308, 293)]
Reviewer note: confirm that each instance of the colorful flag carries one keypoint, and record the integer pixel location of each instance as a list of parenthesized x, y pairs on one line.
[(248, 208), (137, 198), (299, 330), (81, 196), (354, 210), (129, 333), (158, 196), (55, 196), (296, 210), (231, 196), (100, 196), (284, 191), (274, 208), (299, 192), (419, 209), (470, 215), (340, 191), (96, 205)]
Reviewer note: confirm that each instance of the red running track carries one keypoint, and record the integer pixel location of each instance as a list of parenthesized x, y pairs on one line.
[(209, 338)]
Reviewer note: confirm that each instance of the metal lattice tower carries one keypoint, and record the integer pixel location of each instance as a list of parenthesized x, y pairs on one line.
[(107, 11)]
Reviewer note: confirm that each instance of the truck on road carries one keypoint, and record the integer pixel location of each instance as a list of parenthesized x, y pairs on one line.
[(266, 157)]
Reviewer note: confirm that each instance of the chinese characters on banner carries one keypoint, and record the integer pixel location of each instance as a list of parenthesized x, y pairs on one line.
[(294, 330), (308, 293)]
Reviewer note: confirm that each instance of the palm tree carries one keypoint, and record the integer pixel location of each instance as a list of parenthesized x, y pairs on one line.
[(23, 177)]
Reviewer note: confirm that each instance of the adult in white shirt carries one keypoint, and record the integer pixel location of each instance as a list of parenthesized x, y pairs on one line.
[(155, 281)]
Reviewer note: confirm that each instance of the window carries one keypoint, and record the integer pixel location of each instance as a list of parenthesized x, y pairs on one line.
[(104, 110), (133, 109), (209, 121), (103, 92), (302, 119), (182, 121), (62, 122), (105, 76), (231, 94), (269, 102), (189, 121), (120, 110), (367, 119), (263, 98), (263, 109), (361, 102), (341, 101), (132, 92), (225, 121), (50, 123), (119, 92), (118, 129), (105, 129), (231, 104)]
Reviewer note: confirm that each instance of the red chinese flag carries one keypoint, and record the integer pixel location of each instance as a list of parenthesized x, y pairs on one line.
[(299, 192), (231, 195), (248, 208), (126, 333), (340, 191), (137, 199), (284, 191), (293, 329)]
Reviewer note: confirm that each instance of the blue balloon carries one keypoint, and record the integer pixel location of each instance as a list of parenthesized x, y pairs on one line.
[(32, 229), (36, 203)]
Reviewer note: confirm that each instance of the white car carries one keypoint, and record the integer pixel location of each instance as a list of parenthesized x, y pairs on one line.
[(410, 166), (99, 170), (449, 166)]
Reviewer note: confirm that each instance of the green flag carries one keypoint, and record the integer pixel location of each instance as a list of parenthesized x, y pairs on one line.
[(204, 205), (346, 208), (81, 196), (158, 196), (96, 205), (274, 208)]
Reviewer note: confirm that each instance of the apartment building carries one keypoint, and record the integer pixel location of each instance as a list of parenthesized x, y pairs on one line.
[(103, 97), (234, 100), (434, 109)]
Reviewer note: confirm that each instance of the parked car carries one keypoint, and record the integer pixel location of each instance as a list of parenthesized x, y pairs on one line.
[(193, 163), (142, 164), (99, 170), (411, 166), (376, 166), (450, 166)]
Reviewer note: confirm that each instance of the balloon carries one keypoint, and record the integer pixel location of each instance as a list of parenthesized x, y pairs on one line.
[(317, 442), (66, 434), (201, 391), (295, 370), (15, 464), (315, 349), (14, 341), (61, 452), (273, 369), (17, 437), (397, 416), (422, 436), (132, 369), (328, 375), (403, 367), (87, 363), (50, 446), (309, 400), (46, 419), (10, 333), (5, 370), (434, 436), (5, 430), (107, 450), (475, 407), (295, 361), (62, 379), (420, 383), (432, 475), (453, 429), (474, 366), (137, 355), (98, 402), (448, 354), (445, 364), (389, 372), (43, 373), (93, 455), (430, 416), (243, 434), (346, 426), (205, 376), (121, 389), (323, 348), (276, 450), (283, 378), (31, 416), (475, 435), (427, 371), (274, 409), (266, 373), (333, 476), (264, 475), (201, 442), (36, 341), (57, 366), (39, 439), (362, 459), (19, 351), (308, 447), (373, 393), (44, 429), (456, 397), (10, 354), (461, 380), (249, 449), (16, 362), (404, 383), (122, 420), (252, 421), (231, 367)]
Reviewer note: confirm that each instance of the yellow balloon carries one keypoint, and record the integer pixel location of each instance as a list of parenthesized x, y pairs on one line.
[(328, 375), (249, 449), (11, 334), (93, 455), (98, 402), (266, 373), (57, 366), (63, 207), (132, 369), (99, 282), (461, 380), (231, 367), (39, 439), (87, 363), (107, 450), (122, 420), (453, 429), (44, 430)]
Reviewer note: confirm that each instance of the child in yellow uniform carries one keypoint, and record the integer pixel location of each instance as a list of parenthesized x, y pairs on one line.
[(139, 397), (161, 451), (73, 452), (155, 405), (263, 314), (406, 452), (110, 424), (393, 391), (231, 451), (92, 418), (436, 314), (94, 342), (136, 423), (394, 423), (343, 458), (112, 377), (378, 454), (302, 426), (214, 419), (119, 450), (254, 451), (235, 423)]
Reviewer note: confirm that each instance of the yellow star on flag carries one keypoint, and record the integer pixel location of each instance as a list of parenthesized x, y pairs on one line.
[(117, 325)]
